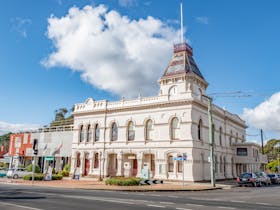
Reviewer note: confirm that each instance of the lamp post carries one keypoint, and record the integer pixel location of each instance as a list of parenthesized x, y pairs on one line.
[(211, 137)]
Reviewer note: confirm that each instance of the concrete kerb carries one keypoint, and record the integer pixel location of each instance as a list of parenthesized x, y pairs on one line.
[(94, 185)]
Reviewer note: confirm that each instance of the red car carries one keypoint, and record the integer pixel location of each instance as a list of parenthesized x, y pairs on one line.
[(248, 179)]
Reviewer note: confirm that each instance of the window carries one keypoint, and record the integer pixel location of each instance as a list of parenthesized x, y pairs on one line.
[(220, 135), (175, 128), (170, 164), (130, 131), (96, 133), (242, 152), (89, 134), (236, 138), (114, 132), (180, 165), (149, 130), (199, 130), (82, 134), (230, 138), (96, 160)]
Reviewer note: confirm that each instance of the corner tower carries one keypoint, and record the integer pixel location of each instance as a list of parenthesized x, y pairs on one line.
[(182, 77)]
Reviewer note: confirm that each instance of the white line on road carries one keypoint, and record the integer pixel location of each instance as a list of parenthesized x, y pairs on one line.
[(155, 195), (182, 209), (263, 203), (167, 202), (224, 207), (193, 204), (156, 206), (238, 201), (19, 206), (173, 196)]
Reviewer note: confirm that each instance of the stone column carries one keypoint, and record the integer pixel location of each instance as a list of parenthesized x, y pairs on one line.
[(104, 165), (139, 157), (82, 166), (120, 164), (91, 161)]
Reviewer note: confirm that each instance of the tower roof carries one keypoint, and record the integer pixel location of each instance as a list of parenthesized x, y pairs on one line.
[(182, 62)]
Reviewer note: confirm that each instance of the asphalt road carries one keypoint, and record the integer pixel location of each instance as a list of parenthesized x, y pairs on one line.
[(17, 197)]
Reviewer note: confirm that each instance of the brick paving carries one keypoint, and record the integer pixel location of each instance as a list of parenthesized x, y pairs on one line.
[(100, 185)]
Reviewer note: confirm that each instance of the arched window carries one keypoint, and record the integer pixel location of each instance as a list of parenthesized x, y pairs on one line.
[(213, 130), (89, 133), (82, 134), (170, 164), (230, 138), (96, 133), (199, 130), (149, 130), (130, 131), (114, 132), (220, 135), (175, 128), (96, 160)]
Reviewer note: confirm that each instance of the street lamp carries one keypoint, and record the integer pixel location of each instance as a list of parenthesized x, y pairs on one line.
[(211, 137)]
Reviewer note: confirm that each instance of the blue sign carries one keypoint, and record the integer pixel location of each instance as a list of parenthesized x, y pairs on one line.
[(180, 158)]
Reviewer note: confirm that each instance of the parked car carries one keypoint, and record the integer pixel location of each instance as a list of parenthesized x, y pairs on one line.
[(264, 179), (248, 179), (3, 172), (16, 173), (274, 178)]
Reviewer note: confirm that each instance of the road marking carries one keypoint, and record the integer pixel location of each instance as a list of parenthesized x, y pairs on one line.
[(167, 202), (117, 201), (193, 204), (238, 201), (140, 194), (182, 209), (224, 207), (19, 206), (155, 195), (263, 203), (124, 193), (173, 196), (156, 206)]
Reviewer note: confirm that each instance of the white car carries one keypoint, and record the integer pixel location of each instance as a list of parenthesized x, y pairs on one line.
[(17, 173)]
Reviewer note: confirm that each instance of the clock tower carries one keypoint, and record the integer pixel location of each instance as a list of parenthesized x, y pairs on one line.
[(182, 77)]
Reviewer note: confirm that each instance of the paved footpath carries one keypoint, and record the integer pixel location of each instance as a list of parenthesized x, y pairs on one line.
[(86, 183)]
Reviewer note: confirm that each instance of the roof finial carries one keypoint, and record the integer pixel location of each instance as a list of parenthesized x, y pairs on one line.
[(182, 31)]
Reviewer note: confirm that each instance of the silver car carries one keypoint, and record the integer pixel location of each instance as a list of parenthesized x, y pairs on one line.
[(16, 173)]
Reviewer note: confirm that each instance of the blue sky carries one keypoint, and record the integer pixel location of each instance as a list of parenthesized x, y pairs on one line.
[(235, 43)]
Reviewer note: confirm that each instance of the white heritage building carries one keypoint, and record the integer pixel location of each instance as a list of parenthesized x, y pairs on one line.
[(120, 138)]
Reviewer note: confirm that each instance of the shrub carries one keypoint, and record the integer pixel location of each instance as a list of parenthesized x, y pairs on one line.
[(123, 181), (66, 168), (37, 177), (57, 177), (29, 168)]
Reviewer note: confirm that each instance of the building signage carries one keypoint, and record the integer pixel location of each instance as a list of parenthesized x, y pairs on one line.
[(131, 157), (49, 158), (180, 158)]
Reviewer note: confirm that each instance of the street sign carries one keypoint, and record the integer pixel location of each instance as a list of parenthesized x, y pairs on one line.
[(49, 158)]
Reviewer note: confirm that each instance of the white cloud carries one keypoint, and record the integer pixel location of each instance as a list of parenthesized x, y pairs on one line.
[(112, 52), (202, 20), (266, 115), (127, 3), (20, 25), (6, 127)]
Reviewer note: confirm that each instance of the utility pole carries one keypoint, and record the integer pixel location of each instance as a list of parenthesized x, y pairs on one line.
[(262, 141), (211, 137)]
